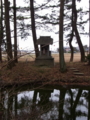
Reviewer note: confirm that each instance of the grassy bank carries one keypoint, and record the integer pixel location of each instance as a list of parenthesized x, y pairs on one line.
[(27, 71)]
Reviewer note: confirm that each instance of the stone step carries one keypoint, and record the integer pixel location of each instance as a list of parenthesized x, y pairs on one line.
[(75, 70), (79, 74), (72, 68)]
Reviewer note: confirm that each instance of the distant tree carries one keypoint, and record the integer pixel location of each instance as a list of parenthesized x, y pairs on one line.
[(85, 48), (61, 51)]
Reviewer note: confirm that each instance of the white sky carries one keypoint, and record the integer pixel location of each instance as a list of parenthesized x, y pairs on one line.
[(28, 44)]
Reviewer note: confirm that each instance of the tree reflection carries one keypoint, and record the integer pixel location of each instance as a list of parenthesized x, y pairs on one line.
[(73, 115), (15, 105), (73, 103), (89, 105), (1, 104), (61, 103), (33, 108), (42, 106)]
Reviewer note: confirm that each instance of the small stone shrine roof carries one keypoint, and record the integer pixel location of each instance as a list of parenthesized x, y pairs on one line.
[(46, 40)]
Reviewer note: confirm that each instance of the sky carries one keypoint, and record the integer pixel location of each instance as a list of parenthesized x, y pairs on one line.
[(28, 44)]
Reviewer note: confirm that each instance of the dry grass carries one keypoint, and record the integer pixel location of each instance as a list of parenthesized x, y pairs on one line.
[(67, 57), (31, 57)]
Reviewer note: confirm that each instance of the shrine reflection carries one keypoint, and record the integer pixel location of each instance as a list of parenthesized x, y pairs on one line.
[(44, 104)]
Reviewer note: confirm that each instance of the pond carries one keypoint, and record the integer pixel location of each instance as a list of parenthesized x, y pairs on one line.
[(44, 103)]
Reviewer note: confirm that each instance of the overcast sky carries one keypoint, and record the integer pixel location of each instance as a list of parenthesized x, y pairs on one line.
[(28, 44)]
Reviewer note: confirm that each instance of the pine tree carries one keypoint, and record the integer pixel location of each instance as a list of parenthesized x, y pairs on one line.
[(61, 51), (8, 35)]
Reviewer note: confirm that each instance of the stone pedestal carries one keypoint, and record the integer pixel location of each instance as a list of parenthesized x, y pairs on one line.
[(44, 61)]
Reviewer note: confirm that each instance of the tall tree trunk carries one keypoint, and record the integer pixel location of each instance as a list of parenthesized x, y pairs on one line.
[(33, 28), (1, 30), (15, 32), (71, 47), (71, 38), (8, 35), (89, 26), (61, 51), (76, 31)]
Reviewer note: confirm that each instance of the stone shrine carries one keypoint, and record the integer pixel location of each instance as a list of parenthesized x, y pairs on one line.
[(44, 58)]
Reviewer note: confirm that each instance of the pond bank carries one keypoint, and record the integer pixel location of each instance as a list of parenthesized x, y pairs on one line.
[(28, 73)]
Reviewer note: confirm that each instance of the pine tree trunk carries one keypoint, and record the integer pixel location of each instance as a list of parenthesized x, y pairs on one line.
[(61, 51), (80, 45), (76, 31), (71, 38), (71, 47), (0, 45), (8, 36), (15, 32), (1, 30), (33, 28)]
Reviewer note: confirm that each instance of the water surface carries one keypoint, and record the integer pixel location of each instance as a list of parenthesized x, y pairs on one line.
[(44, 104)]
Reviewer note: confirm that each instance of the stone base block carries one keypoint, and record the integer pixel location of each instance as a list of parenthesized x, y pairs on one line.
[(44, 62)]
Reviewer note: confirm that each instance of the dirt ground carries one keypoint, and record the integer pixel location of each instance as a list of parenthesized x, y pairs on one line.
[(26, 71)]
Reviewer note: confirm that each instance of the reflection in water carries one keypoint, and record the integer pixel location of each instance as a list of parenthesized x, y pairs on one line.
[(43, 104)]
